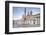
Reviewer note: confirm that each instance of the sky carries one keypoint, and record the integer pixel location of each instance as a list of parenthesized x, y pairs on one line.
[(19, 11)]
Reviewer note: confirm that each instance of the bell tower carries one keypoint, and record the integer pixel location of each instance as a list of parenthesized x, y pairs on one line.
[(25, 11), (30, 12)]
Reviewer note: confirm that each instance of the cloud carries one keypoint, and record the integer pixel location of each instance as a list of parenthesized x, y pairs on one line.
[(17, 18), (35, 13)]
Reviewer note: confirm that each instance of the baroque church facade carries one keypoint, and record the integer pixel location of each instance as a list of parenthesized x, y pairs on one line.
[(30, 19)]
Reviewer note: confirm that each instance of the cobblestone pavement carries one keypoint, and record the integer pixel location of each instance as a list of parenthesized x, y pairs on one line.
[(25, 25)]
